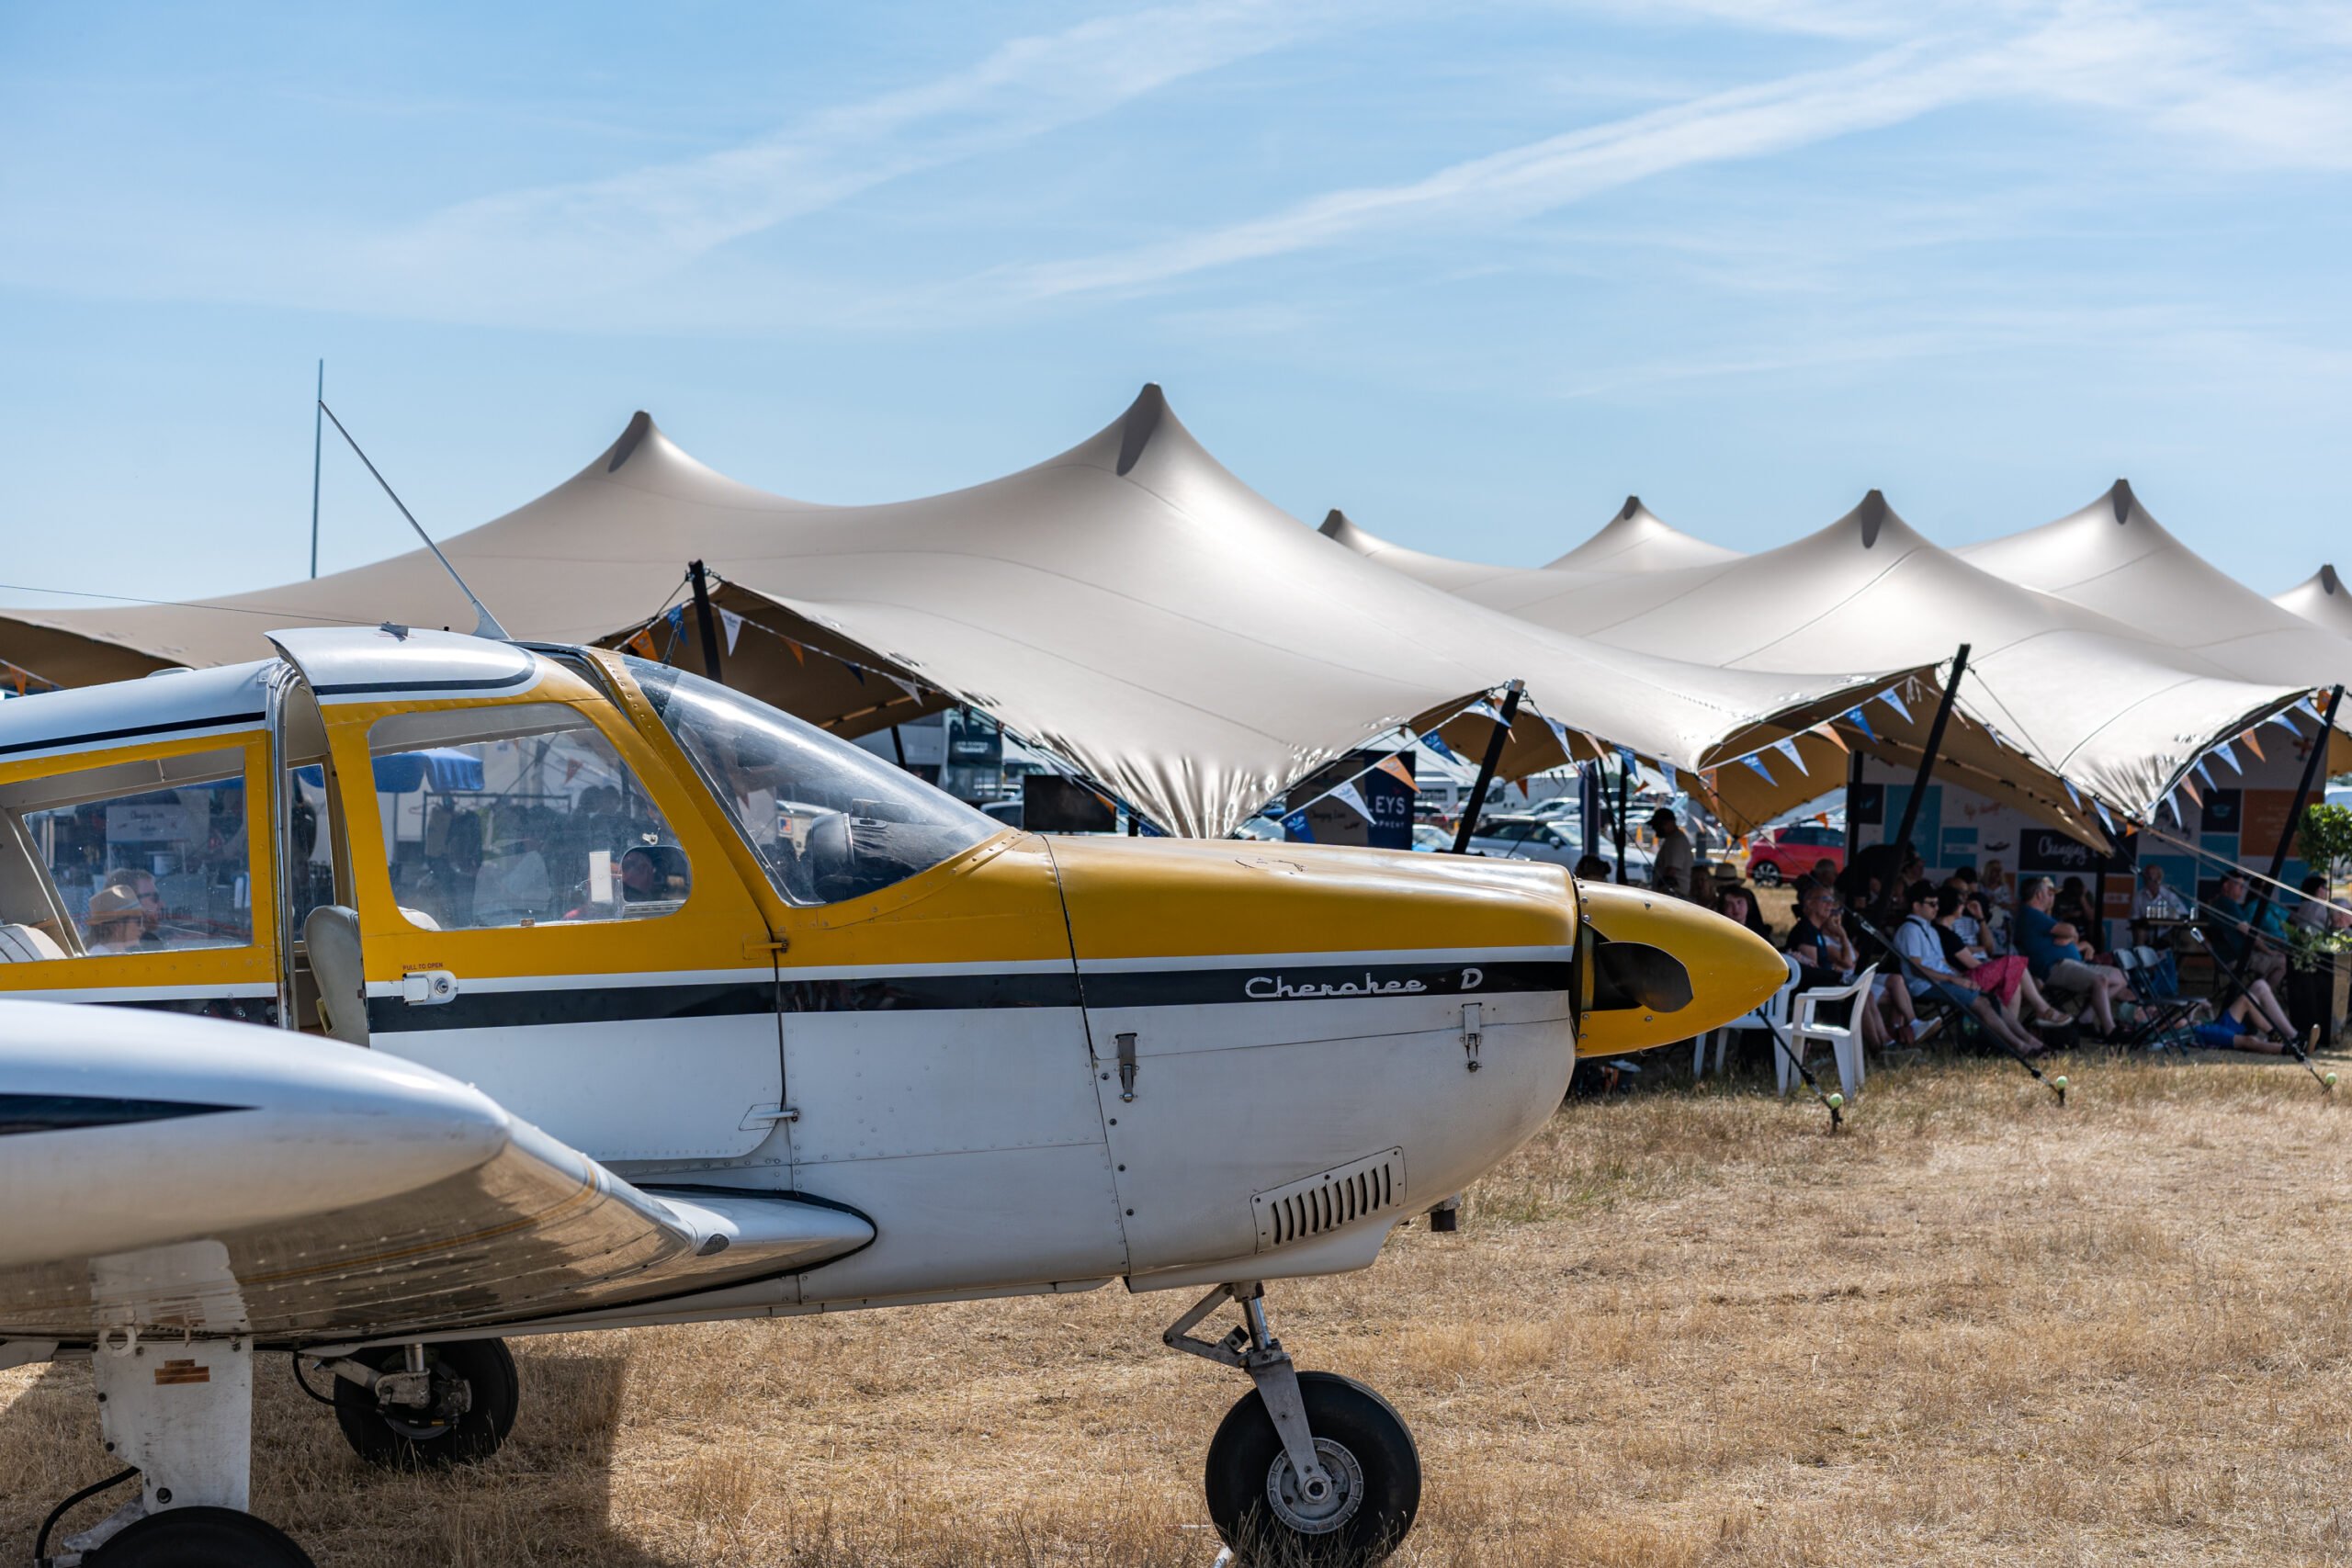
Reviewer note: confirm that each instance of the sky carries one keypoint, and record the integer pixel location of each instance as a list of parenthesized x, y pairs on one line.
[(1472, 271)]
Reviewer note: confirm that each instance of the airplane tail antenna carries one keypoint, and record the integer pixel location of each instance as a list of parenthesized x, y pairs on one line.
[(485, 625)]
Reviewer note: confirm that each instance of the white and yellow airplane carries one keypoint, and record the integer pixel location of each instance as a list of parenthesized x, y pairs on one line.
[(603, 996)]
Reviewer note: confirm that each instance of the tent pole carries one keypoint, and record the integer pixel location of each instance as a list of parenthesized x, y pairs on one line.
[(1487, 766), (1890, 895), (318, 437), (709, 622), (898, 744), (1624, 783)]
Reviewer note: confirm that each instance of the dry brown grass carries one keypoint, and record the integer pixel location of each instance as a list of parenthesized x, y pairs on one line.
[(1678, 1331)]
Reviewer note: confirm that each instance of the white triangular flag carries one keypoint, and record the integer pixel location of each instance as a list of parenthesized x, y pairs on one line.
[(1347, 796), (734, 625), (1789, 749)]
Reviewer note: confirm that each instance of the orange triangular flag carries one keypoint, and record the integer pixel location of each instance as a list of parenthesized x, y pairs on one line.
[(1828, 732), (797, 656), (1821, 817), (2189, 786), (1395, 768), (2253, 745), (643, 643)]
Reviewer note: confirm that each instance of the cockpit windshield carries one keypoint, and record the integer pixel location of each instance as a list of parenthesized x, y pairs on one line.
[(830, 821)]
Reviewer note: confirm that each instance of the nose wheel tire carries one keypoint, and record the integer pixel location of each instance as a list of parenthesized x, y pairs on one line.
[(200, 1537), (474, 1396), (1259, 1507)]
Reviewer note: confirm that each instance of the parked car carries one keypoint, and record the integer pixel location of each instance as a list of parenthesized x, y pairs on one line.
[(1430, 839), (1535, 838), (1783, 854)]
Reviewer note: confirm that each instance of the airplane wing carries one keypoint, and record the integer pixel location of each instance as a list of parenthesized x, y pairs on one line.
[(167, 1174)]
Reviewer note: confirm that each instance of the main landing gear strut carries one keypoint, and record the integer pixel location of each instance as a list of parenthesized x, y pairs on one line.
[(1310, 1467), (179, 1413)]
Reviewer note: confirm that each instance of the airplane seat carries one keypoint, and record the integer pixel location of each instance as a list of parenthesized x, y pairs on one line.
[(330, 935), (26, 944)]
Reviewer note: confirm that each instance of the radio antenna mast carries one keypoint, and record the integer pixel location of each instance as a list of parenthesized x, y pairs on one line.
[(486, 624)]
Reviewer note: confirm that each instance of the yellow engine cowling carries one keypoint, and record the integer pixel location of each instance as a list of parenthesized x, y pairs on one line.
[(1654, 969)]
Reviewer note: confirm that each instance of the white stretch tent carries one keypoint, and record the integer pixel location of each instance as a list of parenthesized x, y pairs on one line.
[(2114, 557), (1129, 604), (2101, 703), (1636, 539), (2321, 599)]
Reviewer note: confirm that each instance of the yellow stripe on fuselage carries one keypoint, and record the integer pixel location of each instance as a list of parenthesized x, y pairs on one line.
[(1171, 898)]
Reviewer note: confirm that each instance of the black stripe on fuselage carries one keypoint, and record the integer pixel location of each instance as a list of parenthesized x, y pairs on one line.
[(68, 1113), (1321, 982), (135, 732), (580, 1001), (575, 1002)]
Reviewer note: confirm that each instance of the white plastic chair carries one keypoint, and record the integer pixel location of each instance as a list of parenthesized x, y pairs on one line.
[(1844, 1039), (1774, 1013)]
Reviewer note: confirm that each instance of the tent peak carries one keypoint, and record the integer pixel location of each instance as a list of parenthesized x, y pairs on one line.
[(1335, 523), (1872, 515), (641, 426), (2329, 582), (1632, 509), (1139, 424), (2119, 497)]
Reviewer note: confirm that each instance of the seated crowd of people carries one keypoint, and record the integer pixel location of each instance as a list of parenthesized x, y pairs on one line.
[(2023, 960)]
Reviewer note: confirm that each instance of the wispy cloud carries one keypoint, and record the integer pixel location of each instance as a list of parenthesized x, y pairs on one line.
[(650, 221), (2179, 74)]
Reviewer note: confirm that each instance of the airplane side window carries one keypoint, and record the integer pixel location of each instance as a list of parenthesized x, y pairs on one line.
[(829, 821), (518, 816), (146, 856)]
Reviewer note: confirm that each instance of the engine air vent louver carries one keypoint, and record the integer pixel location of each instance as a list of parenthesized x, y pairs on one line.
[(1336, 1197)]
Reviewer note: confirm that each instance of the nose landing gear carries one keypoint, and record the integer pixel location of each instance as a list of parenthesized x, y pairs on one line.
[(1309, 1467), (426, 1407)]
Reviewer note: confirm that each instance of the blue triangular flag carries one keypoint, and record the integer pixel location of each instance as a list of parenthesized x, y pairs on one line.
[(1435, 743), (2286, 717), (2202, 773), (1559, 732), (1857, 715), (2104, 819), (1789, 749), (2229, 753), (1625, 755), (1671, 781), (677, 617), (1295, 825), (1894, 702), (1482, 708), (1758, 763)]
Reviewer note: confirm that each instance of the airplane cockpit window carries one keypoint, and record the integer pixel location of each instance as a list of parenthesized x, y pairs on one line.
[(148, 856), (518, 816), (830, 821)]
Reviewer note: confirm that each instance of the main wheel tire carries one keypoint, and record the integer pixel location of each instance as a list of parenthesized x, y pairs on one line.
[(200, 1537), (1765, 874), (1364, 1444), (401, 1438)]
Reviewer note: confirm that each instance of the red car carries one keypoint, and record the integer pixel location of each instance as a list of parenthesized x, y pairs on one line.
[(1786, 853)]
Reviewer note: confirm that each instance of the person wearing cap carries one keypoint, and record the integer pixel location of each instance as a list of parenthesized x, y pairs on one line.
[(1928, 972), (1671, 871), (116, 920)]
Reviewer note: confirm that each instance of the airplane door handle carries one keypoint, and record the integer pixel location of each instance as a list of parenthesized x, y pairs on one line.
[(428, 987)]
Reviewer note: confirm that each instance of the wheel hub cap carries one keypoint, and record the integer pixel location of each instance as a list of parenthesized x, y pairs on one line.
[(1286, 1496)]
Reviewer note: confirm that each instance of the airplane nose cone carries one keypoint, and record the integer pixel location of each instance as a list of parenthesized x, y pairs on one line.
[(1655, 969)]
